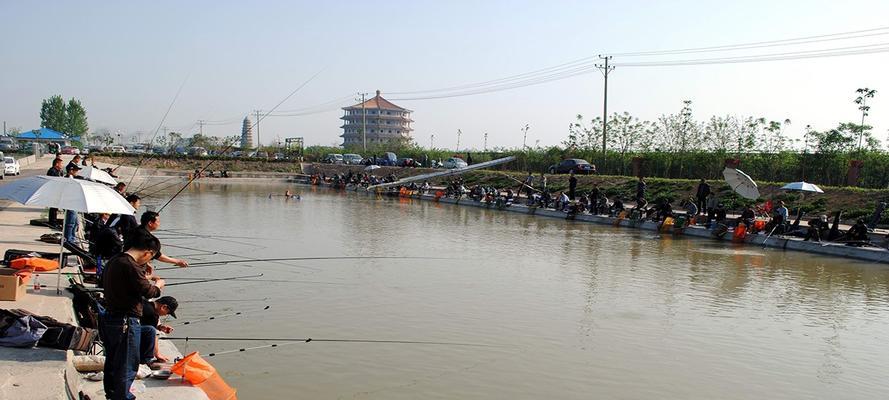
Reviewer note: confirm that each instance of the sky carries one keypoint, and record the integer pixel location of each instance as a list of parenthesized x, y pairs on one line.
[(126, 60)]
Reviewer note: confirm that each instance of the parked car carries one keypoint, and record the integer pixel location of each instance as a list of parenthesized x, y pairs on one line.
[(333, 159), (117, 149), (2, 170), (572, 164), (197, 151), (454, 162), (262, 154), (12, 166), (388, 159), (279, 156), (70, 150), (352, 159), (97, 149), (8, 144)]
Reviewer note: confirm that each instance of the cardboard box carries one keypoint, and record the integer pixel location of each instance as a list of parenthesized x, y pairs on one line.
[(11, 285)]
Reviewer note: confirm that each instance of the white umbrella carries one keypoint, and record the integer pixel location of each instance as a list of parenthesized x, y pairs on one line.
[(96, 174), (741, 183), (371, 167), (802, 187), (66, 193)]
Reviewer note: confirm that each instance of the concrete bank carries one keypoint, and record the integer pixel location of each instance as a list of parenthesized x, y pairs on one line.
[(42, 373), (871, 254)]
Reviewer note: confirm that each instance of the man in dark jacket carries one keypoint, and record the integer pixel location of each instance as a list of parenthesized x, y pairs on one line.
[(125, 224), (126, 284), (703, 192), (55, 170), (572, 185)]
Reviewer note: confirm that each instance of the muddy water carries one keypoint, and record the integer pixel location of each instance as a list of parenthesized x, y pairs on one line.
[(566, 310)]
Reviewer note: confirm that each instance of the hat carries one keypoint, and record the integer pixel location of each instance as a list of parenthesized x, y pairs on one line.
[(75, 166), (170, 302)]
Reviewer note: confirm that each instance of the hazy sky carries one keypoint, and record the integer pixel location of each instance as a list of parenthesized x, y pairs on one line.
[(125, 61)]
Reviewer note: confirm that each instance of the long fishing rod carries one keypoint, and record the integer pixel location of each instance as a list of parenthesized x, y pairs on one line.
[(212, 280), (195, 176), (151, 142), (308, 340), (224, 300), (156, 184), (161, 190), (213, 318), (226, 262), (233, 255)]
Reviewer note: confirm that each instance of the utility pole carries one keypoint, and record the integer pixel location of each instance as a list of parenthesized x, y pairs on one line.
[(200, 125), (486, 141), (432, 141), (363, 121), (459, 132), (525, 138), (606, 69), (258, 142)]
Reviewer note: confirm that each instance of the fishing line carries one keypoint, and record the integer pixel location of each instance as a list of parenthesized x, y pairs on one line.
[(226, 262), (224, 300), (195, 176), (308, 340), (156, 184), (212, 280), (233, 255), (213, 318), (151, 142), (261, 280)]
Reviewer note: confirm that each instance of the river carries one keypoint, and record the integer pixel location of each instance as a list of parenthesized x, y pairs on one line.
[(565, 310)]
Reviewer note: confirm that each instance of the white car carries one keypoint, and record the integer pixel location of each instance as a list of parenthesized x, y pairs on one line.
[(117, 149), (454, 162), (12, 166)]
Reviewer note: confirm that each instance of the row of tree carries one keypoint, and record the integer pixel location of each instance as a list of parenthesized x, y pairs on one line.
[(66, 117)]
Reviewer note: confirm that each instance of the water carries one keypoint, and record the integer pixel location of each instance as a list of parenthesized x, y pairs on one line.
[(572, 310)]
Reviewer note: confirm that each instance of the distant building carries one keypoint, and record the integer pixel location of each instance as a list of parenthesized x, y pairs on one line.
[(46, 135), (247, 134), (385, 122)]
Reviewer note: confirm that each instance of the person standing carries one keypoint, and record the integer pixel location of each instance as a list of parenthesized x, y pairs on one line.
[(126, 284), (703, 192), (640, 190), (75, 162), (55, 170), (542, 182), (150, 222), (572, 184), (125, 224), (594, 199), (71, 221)]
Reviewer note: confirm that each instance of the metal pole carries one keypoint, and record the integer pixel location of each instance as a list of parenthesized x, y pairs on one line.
[(459, 132), (258, 142), (432, 141), (486, 141), (61, 254), (364, 122), (606, 69)]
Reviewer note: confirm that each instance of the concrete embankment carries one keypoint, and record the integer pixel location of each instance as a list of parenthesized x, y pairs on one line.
[(43, 373)]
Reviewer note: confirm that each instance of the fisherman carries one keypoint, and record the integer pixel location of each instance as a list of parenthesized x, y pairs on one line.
[(73, 163), (719, 213), (857, 234), (542, 182), (572, 184), (55, 170), (640, 189), (563, 202), (150, 222), (747, 216), (527, 185), (617, 206), (125, 224), (816, 225), (121, 188), (691, 209), (71, 221), (594, 199), (712, 202), (703, 192), (150, 322), (126, 285)]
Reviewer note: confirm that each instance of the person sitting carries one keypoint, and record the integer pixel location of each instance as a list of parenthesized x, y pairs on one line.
[(747, 216), (617, 206), (563, 202), (665, 210), (816, 225), (857, 234), (691, 208), (150, 325), (719, 213)]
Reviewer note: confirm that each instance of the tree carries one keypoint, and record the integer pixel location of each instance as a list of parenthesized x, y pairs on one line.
[(861, 100), (583, 136), (53, 114), (75, 119), (721, 132), (626, 132)]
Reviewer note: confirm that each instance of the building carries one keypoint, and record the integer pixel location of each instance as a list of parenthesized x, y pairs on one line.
[(384, 122), (246, 134), (46, 135)]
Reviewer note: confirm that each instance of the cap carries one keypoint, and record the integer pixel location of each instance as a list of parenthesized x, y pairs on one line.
[(170, 302)]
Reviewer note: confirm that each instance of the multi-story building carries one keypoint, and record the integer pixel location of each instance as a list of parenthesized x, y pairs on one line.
[(382, 121), (246, 134)]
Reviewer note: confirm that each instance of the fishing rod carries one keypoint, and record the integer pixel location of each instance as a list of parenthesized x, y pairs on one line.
[(261, 280), (150, 142), (176, 233), (161, 190), (234, 255), (163, 182), (212, 280), (224, 300), (212, 318), (326, 340), (195, 176), (226, 262)]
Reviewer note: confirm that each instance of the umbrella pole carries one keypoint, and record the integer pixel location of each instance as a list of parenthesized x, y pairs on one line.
[(61, 254)]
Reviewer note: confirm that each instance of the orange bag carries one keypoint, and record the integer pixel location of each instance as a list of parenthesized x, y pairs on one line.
[(740, 233), (200, 373), (34, 263)]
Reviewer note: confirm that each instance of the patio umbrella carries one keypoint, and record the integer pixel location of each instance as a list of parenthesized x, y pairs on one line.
[(77, 195), (741, 183), (96, 174), (802, 187), (371, 167)]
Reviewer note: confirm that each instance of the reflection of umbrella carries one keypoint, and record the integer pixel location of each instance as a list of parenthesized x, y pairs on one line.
[(95, 174), (371, 167), (77, 195), (741, 183), (802, 187)]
